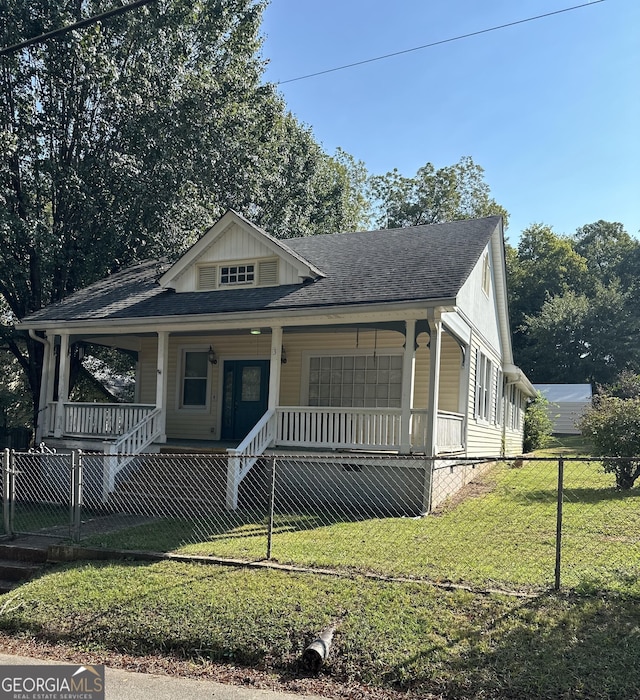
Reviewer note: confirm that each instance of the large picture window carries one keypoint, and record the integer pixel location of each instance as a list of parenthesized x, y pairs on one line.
[(194, 378), (356, 381)]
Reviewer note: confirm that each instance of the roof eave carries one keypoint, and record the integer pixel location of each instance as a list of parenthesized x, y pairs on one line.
[(315, 315)]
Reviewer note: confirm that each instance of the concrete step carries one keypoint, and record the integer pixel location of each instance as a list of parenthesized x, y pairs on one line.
[(24, 552), (11, 570)]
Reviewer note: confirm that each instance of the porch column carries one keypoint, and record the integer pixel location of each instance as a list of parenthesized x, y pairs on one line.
[(408, 384), (431, 448), (63, 383), (46, 379), (274, 367), (435, 344), (162, 382)]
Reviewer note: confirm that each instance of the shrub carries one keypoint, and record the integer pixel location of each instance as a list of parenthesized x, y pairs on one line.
[(537, 424), (613, 426)]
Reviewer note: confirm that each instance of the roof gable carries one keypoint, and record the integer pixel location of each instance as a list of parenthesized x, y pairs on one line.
[(420, 265), (234, 240)]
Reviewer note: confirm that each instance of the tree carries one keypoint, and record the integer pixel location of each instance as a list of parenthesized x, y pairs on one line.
[(537, 424), (610, 252), (576, 338), (544, 265), (612, 425), (434, 195), (126, 139)]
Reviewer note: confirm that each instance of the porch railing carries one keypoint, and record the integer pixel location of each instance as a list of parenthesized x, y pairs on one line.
[(243, 457), (126, 447), (449, 435), (365, 428), (97, 420)]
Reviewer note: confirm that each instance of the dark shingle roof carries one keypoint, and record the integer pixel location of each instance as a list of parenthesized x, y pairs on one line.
[(418, 263)]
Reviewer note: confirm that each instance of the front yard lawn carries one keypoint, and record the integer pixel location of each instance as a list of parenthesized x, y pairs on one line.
[(501, 535), (408, 637)]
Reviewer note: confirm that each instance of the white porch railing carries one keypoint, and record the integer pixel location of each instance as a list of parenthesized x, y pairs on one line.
[(449, 435), (355, 428), (243, 457), (126, 447), (97, 420)]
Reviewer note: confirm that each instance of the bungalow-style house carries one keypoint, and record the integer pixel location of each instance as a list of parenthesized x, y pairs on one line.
[(393, 341)]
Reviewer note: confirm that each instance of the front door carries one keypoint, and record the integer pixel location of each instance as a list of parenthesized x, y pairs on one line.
[(245, 396)]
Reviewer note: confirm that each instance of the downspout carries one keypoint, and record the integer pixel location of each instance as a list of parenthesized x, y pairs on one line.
[(42, 401)]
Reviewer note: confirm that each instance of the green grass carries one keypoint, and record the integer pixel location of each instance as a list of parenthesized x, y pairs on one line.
[(403, 636), (503, 537), (35, 517)]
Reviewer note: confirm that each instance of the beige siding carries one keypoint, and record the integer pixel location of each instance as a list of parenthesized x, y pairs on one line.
[(204, 423), (484, 438)]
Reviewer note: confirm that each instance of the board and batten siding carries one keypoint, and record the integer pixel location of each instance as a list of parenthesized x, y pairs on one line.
[(236, 246)]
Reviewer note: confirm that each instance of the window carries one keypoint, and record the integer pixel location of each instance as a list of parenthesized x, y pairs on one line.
[(514, 408), (484, 386), (194, 378), (356, 381), (237, 274), (499, 402), (486, 274)]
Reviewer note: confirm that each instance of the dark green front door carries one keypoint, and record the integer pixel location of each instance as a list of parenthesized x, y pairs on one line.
[(245, 396)]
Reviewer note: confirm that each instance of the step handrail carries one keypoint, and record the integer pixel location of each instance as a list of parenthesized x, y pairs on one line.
[(120, 452), (243, 457)]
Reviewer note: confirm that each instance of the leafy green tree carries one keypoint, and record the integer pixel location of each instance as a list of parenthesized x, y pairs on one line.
[(576, 338), (612, 425), (610, 252), (544, 265), (128, 138), (449, 193), (537, 424)]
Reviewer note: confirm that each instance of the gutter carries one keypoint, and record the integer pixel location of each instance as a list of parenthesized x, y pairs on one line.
[(518, 377)]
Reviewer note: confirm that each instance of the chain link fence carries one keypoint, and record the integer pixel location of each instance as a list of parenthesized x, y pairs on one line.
[(510, 524)]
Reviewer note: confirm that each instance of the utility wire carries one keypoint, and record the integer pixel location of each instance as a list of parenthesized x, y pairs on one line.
[(78, 25), (437, 43)]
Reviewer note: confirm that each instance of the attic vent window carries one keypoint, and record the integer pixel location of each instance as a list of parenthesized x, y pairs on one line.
[(237, 274), (207, 276)]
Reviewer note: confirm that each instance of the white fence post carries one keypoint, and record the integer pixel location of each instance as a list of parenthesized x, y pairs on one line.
[(233, 479), (8, 493), (109, 469)]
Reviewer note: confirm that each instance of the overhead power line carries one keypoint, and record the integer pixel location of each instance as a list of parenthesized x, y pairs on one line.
[(70, 27), (437, 43)]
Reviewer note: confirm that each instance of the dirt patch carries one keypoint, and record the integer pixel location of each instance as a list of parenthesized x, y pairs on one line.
[(290, 681), (476, 488)]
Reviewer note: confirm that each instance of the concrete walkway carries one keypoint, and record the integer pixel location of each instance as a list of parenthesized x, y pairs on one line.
[(125, 685)]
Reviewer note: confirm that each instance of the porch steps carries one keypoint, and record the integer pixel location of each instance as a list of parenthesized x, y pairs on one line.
[(20, 562)]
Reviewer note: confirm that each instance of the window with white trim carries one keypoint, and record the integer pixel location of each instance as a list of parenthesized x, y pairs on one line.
[(514, 408), (486, 274), (195, 372), (356, 381), (231, 275), (499, 402), (484, 386)]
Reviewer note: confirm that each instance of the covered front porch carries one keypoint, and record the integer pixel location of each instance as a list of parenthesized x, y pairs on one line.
[(234, 386)]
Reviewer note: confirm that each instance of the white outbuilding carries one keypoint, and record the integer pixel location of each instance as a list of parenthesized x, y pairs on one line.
[(567, 403)]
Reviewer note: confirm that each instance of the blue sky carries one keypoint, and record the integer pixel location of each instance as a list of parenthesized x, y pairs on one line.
[(549, 108)]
